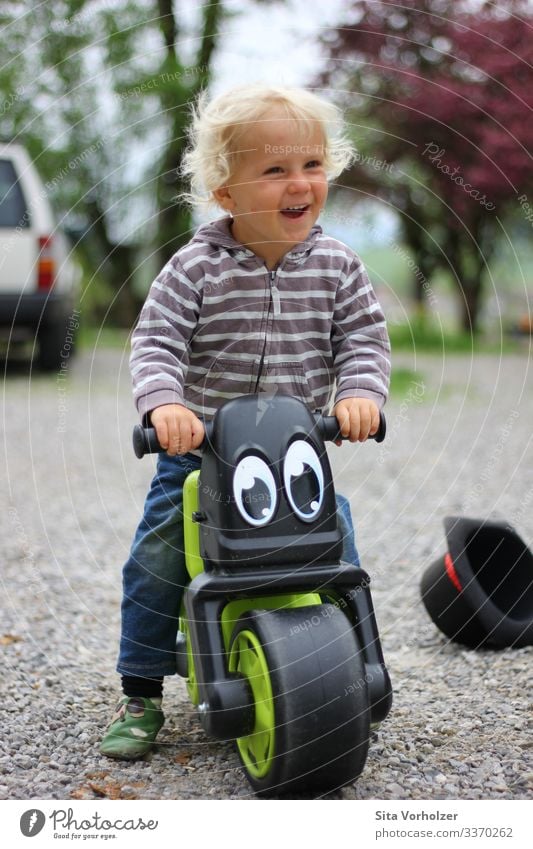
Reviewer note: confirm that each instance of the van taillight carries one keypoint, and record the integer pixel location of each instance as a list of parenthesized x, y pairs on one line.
[(45, 264)]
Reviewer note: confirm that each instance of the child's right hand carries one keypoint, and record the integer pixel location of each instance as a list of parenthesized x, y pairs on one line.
[(178, 429)]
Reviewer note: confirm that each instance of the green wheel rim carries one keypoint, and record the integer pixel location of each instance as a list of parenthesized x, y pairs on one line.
[(257, 748), (192, 683)]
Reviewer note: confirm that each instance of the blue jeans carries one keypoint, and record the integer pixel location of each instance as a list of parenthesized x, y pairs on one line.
[(154, 574)]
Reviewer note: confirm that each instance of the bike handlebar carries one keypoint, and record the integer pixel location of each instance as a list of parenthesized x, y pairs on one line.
[(145, 438), (329, 428)]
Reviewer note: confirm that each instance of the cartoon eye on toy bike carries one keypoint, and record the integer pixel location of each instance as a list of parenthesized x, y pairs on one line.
[(277, 638)]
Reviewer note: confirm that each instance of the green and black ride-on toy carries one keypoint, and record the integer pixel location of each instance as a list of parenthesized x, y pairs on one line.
[(277, 639)]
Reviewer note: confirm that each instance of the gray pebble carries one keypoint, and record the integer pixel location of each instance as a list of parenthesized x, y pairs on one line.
[(457, 728), (394, 790)]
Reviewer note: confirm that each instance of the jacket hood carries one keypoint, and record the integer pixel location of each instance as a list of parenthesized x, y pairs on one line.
[(218, 233)]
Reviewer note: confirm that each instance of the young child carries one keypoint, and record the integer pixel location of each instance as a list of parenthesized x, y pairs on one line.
[(259, 300)]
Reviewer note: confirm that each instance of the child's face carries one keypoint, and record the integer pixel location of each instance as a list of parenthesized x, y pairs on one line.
[(279, 167)]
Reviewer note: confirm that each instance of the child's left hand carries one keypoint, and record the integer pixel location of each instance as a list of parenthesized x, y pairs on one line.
[(358, 418)]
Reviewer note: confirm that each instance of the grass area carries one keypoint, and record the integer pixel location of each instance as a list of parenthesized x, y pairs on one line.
[(103, 337), (422, 337), (404, 337), (404, 380), (428, 338)]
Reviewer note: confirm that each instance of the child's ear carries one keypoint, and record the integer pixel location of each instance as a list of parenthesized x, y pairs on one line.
[(224, 199)]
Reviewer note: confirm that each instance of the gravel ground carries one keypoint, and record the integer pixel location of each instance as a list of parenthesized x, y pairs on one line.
[(459, 442)]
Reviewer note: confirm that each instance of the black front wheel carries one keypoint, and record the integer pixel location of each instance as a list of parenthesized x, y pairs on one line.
[(56, 343), (312, 719)]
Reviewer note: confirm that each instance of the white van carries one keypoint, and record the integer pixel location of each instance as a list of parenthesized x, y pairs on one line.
[(39, 281)]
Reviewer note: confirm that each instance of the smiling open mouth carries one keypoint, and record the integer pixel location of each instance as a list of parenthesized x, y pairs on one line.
[(295, 211)]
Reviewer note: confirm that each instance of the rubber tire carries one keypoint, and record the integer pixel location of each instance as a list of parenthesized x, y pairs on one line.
[(321, 707), (52, 338)]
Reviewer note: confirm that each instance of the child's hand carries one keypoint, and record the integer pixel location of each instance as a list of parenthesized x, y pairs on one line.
[(178, 429), (358, 418)]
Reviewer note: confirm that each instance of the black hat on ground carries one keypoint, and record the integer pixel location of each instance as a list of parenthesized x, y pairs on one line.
[(481, 591)]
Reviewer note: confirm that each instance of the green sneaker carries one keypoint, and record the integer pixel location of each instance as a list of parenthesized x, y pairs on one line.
[(133, 729)]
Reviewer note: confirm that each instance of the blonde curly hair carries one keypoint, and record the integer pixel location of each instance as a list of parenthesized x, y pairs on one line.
[(217, 126)]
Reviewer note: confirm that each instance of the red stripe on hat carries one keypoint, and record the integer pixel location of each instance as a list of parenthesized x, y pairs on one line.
[(452, 574)]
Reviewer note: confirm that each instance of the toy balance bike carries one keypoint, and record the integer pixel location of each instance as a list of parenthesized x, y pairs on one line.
[(277, 637)]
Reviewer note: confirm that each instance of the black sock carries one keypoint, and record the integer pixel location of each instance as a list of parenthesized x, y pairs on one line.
[(148, 687)]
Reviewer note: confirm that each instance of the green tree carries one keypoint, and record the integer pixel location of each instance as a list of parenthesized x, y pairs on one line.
[(99, 95), (443, 93)]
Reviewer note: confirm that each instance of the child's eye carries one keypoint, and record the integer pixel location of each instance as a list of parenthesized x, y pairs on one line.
[(314, 163), (273, 169)]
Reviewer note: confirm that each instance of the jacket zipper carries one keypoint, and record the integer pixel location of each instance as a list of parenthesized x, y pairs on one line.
[(276, 304)]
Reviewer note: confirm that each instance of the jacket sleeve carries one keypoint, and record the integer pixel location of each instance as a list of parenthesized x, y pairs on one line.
[(160, 342), (361, 347)]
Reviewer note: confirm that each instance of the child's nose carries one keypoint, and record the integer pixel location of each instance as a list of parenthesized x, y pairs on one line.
[(298, 183)]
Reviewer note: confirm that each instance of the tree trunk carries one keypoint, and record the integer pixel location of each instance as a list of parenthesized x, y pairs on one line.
[(471, 253), (174, 218), (470, 302), (425, 259), (115, 264)]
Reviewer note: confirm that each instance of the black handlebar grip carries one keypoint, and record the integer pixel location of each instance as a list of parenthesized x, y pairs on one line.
[(329, 428), (381, 432), (145, 440)]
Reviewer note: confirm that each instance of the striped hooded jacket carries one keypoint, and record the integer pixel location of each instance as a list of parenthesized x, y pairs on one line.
[(218, 324)]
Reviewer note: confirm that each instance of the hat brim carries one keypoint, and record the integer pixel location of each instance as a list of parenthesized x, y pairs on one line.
[(481, 591)]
